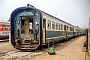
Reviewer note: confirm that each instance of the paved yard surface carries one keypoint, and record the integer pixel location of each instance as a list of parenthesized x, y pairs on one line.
[(6, 47), (72, 51)]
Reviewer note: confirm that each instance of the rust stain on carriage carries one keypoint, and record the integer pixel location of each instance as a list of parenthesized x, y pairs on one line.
[(27, 47)]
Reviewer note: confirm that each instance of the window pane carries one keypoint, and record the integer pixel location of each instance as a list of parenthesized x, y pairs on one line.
[(64, 27), (49, 24), (3, 27), (71, 29), (8, 26), (56, 26), (53, 25), (59, 26), (67, 28)]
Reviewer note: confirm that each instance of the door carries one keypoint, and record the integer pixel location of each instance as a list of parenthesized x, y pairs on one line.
[(44, 32)]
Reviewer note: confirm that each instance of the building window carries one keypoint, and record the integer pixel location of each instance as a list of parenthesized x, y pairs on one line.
[(59, 26), (49, 24), (53, 25), (56, 26)]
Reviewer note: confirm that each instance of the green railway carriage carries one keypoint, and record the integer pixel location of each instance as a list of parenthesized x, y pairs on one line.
[(32, 28)]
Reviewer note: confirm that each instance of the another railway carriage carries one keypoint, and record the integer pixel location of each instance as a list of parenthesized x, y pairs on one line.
[(78, 31), (32, 28), (4, 29)]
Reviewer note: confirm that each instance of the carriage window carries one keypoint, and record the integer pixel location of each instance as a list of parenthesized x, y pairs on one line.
[(3, 27), (71, 29), (8, 27), (53, 25), (64, 27), (67, 28), (59, 26), (56, 26), (49, 24)]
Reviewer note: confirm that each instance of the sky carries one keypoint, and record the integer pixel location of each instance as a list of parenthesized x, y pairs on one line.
[(75, 12)]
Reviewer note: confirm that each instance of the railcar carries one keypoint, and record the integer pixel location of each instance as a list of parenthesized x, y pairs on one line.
[(78, 31), (32, 28), (4, 30)]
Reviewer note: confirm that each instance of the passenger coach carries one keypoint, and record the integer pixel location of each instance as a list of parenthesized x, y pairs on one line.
[(32, 28), (4, 29)]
